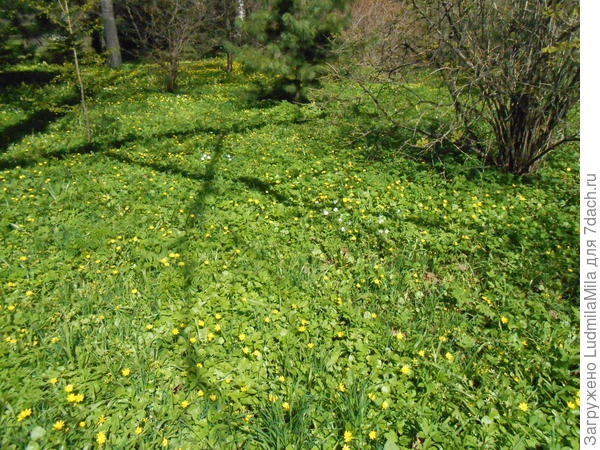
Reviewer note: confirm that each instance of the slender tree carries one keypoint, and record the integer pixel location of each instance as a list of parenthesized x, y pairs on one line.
[(110, 33), (73, 18)]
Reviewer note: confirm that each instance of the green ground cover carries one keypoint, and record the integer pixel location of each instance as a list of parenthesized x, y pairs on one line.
[(219, 272)]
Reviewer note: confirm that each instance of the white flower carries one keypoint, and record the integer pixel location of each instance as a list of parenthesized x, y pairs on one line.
[(325, 213)]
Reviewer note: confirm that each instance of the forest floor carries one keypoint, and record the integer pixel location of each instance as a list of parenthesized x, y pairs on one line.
[(213, 271)]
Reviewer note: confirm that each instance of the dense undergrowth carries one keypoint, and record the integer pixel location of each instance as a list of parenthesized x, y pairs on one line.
[(214, 271)]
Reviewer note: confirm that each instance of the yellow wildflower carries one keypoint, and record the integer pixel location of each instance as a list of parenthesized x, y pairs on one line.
[(101, 438), (347, 436), (24, 415), (523, 406)]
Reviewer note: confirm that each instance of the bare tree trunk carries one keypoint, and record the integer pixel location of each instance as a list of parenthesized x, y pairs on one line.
[(241, 16), (241, 11), (110, 31), (229, 61)]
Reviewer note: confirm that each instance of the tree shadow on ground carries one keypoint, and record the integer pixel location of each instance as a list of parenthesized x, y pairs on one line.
[(389, 145), (33, 77), (8, 163), (37, 122)]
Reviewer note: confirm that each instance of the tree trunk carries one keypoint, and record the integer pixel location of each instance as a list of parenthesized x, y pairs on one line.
[(241, 11), (110, 31), (229, 61)]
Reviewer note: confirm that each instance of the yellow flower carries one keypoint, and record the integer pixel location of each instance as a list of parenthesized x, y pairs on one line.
[(372, 396), (443, 338), (286, 406), (101, 420), (341, 387), (149, 327), (193, 340), (139, 430), (69, 388), (281, 379), (523, 406), (200, 393), (213, 398), (201, 323), (400, 336), (59, 425), (310, 345), (242, 337), (210, 337), (217, 327), (504, 320), (218, 316), (373, 435), (165, 442), (571, 405), (24, 415), (422, 353), (347, 436), (101, 438), (301, 328), (126, 372), (29, 293), (134, 291), (175, 331), (184, 404), (385, 405), (82, 424), (54, 340), (75, 398), (54, 381), (449, 356)]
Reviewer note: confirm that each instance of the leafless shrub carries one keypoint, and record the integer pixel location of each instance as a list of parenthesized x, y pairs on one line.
[(511, 68), (169, 30)]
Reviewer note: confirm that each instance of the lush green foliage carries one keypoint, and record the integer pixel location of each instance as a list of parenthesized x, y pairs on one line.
[(218, 272), (294, 40)]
